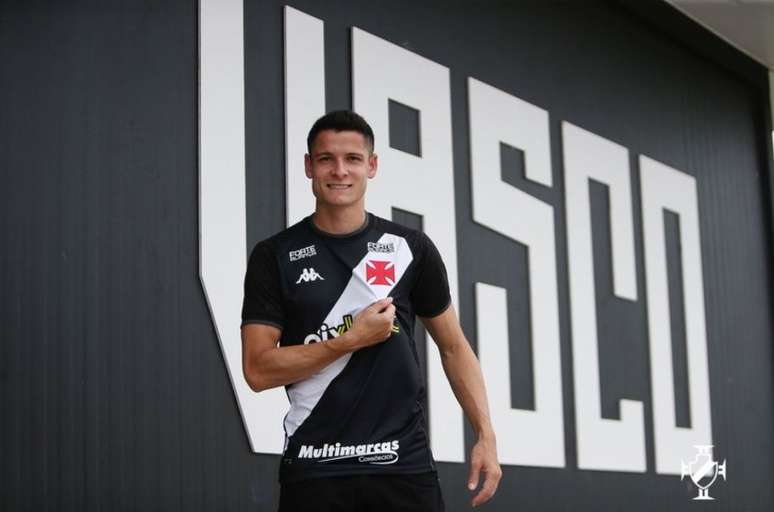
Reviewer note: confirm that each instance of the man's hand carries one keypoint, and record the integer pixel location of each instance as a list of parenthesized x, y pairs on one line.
[(265, 365), (464, 373), (483, 459), (372, 325)]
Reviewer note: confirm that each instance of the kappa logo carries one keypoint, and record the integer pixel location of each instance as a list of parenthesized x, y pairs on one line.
[(309, 274), (380, 272), (306, 252)]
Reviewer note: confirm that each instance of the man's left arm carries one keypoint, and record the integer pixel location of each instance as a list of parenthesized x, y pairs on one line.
[(464, 373)]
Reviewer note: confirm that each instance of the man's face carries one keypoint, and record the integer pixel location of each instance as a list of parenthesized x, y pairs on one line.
[(340, 165)]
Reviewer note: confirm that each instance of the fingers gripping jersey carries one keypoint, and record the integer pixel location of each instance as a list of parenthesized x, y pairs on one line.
[(362, 413)]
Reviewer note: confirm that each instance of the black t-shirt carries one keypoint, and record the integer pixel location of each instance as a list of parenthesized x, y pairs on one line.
[(363, 412)]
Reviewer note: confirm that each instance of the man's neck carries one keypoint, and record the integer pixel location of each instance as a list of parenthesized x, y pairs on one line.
[(339, 221)]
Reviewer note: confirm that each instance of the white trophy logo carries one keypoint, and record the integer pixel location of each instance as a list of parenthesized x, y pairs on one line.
[(703, 471)]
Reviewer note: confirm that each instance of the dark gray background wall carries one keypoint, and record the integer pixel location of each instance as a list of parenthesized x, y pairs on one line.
[(114, 391)]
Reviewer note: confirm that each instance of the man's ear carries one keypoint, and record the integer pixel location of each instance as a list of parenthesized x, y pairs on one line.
[(373, 164), (308, 165)]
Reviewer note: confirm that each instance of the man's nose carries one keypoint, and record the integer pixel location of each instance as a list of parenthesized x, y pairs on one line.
[(340, 168)]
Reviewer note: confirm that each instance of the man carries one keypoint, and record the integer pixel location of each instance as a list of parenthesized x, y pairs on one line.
[(328, 313)]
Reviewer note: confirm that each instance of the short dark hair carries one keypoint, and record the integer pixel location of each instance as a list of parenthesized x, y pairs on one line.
[(341, 120)]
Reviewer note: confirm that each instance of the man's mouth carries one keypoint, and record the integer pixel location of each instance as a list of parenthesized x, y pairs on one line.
[(338, 186)]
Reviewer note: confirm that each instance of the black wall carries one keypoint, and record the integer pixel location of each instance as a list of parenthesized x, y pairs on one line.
[(114, 391)]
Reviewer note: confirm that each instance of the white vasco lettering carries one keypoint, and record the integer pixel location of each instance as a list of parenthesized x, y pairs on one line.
[(309, 274), (499, 117), (661, 188)]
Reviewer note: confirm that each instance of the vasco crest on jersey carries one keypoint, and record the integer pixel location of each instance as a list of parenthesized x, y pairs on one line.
[(380, 272)]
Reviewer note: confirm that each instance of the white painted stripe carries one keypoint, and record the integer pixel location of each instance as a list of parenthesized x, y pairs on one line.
[(222, 221), (304, 103)]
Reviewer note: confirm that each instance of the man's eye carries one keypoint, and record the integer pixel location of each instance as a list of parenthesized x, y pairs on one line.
[(355, 158), (324, 158)]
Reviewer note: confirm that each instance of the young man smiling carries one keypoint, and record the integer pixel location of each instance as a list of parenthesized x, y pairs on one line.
[(328, 313)]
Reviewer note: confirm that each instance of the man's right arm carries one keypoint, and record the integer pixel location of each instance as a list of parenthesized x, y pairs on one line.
[(265, 365)]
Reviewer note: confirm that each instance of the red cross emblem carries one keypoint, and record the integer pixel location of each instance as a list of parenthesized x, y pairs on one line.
[(380, 272)]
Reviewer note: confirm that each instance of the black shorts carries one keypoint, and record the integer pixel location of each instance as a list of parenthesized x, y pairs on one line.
[(364, 493)]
